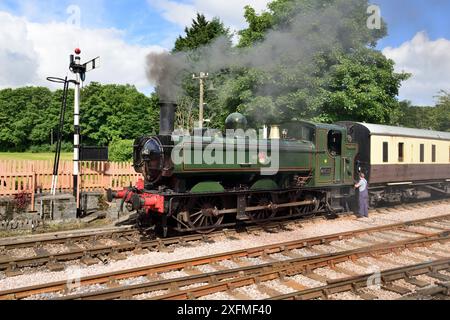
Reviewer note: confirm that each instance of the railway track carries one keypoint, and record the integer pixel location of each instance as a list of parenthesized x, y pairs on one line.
[(227, 272), (92, 248), (57, 238), (440, 291), (356, 284)]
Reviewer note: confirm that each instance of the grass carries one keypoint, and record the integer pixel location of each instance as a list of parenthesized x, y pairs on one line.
[(33, 156)]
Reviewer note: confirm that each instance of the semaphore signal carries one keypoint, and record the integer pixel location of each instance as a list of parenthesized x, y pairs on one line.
[(80, 73)]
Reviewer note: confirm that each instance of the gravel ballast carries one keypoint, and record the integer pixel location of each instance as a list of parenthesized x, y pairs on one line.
[(306, 230)]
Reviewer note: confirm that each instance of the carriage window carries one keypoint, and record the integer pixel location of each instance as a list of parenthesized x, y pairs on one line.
[(401, 152), (335, 142), (422, 153), (385, 152), (433, 153)]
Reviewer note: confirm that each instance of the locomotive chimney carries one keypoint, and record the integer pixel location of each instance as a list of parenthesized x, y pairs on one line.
[(167, 118)]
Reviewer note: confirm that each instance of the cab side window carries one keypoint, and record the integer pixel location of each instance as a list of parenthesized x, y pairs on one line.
[(335, 142), (294, 131)]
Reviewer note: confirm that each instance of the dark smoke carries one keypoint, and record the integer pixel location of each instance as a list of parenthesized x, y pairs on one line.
[(293, 44)]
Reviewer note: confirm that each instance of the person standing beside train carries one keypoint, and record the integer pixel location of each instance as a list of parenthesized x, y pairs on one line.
[(363, 187)]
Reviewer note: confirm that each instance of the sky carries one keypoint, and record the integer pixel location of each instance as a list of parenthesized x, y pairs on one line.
[(37, 37)]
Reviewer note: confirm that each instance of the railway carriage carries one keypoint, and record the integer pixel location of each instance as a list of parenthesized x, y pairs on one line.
[(401, 162)]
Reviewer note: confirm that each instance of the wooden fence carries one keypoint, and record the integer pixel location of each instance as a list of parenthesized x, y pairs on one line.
[(18, 176)]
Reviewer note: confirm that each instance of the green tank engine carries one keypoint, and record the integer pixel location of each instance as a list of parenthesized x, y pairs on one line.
[(208, 179)]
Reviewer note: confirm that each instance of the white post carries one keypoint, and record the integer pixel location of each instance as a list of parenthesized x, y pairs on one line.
[(202, 77), (76, 138)]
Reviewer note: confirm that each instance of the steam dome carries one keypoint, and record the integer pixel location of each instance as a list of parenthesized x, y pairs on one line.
[(236, 121)]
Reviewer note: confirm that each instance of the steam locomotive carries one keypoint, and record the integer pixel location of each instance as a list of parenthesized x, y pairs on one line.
[(288, 170)]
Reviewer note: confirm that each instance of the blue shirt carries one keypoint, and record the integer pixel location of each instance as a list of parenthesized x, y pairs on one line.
[(362, 185)]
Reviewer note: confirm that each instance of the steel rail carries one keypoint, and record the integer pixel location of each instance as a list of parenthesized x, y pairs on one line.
[(358, 282), (293, 268), (102, 250), (64, 237), (150, 271), (71, 237)]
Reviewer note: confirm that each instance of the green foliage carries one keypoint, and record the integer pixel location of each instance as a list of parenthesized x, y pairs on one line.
[(28, 116), (348, 81), (22, 116), (363, 87), (121, 150), (442, 112), (200, 33), (42, 149), (281, 14), (46, 148), (433, 118), (116, 111), (258, 26)]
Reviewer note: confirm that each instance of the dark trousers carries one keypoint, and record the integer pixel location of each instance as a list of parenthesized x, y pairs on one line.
[(364, 204)]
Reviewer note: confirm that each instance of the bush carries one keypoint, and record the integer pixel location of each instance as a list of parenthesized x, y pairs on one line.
[(46, 148), (65, 147), (121, 151)]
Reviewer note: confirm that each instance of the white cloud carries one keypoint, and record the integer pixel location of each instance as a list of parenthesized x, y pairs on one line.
[(429, 63), (31, 52), (231, 12), (17, 54)]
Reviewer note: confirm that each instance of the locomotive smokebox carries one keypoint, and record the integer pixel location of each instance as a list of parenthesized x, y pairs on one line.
[(167, 118)]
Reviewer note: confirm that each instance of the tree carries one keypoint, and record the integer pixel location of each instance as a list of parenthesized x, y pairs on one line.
[(24, 114), (282, 13), (198, 36), (28, 116), (344, 79), (116, 111), (258, 26), (121, 150), (431, 118), (442, 112), (363, 87), (200, 33), (416, 117)]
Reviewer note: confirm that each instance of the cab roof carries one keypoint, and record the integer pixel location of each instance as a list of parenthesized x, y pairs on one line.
[(322, 125)]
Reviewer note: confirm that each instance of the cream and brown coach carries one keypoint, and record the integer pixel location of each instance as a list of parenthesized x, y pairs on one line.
[(401, 162)]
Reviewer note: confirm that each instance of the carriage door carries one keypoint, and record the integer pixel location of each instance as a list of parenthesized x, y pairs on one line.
[(335, 150)]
